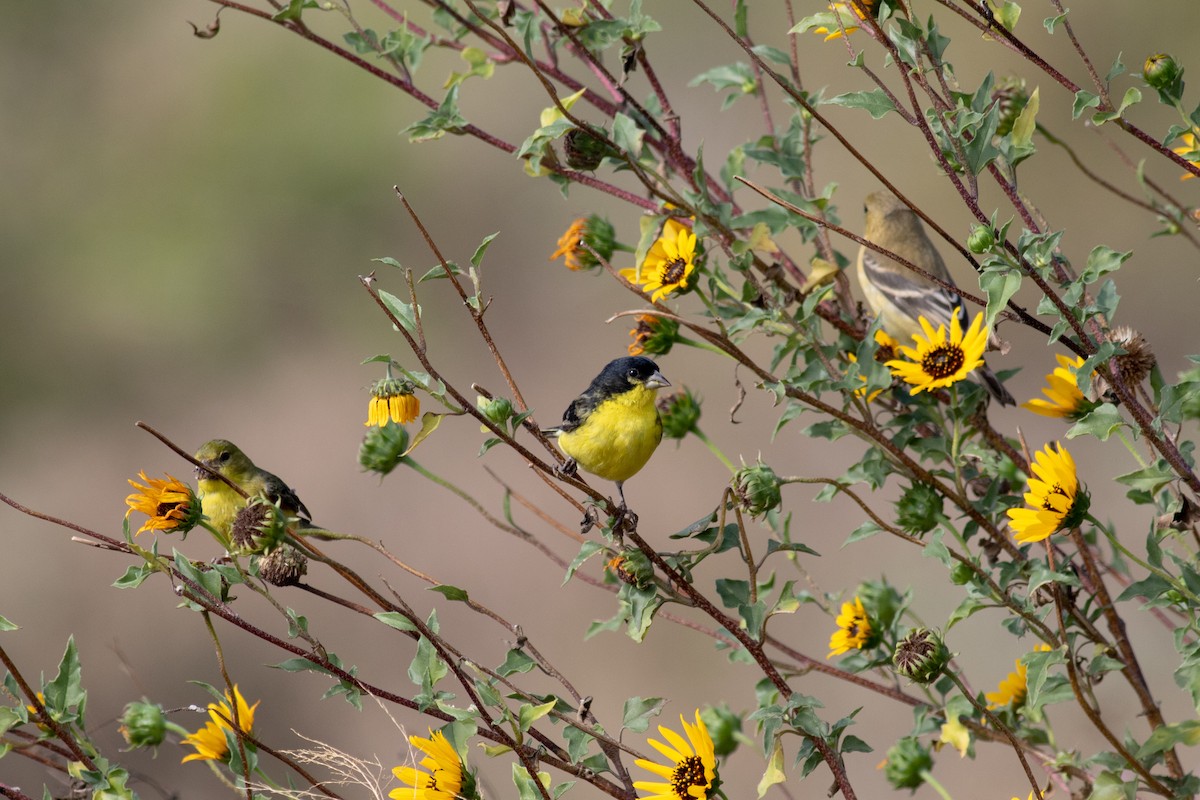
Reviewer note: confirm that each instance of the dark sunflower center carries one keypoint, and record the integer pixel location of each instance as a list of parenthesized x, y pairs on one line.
[(688, 773), (673, 271), (166, 508), (943, 361)]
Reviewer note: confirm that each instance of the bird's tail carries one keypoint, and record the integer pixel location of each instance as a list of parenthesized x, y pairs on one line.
[(995, 387)]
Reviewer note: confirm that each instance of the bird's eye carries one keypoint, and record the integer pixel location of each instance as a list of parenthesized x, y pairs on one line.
[(633, 373), (223, 457)]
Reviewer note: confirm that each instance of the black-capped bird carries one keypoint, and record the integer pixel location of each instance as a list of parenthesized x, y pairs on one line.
[(220, 503), (899, 296), (613, 428)]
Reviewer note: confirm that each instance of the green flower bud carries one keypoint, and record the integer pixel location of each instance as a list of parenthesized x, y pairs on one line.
[(144, 724), (595, 232), (1164, 74), (259, 527), (757, 488), (584, 149), (981, 239), (498, 410), (723, 726), (920, 656), (381, 448), (919, 509), (680, 412), (283, 566), (906, 760), (1010, 98)]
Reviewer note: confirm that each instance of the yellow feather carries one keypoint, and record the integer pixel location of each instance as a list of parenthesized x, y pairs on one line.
[(618, 437)]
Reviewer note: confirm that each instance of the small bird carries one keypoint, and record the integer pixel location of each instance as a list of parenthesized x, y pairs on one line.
[(220, 503), (899, 296), (613, 428)]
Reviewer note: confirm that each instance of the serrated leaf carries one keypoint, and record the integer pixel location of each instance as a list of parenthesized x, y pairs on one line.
[(1101, 423)]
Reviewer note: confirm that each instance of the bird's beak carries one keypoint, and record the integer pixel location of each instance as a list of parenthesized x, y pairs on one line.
[(203, 474), (657, 381)]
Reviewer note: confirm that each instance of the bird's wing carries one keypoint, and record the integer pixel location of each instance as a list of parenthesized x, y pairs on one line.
[(910, 293), (579, 410), (279, 492)]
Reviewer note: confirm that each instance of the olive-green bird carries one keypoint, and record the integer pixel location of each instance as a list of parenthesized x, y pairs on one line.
[(899, 296), (220, 503), (613, 428)]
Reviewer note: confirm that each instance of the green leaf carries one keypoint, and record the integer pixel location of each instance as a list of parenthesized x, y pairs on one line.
[(875, 102), (5, 625), (527, 789), (1007, 15), (1050, 23), (445, 119), (66, 690), (627, 135), (1102, 422), (516, 662), (1101, 261), (402, 311), (429, 423), (774, 772), (1026, 123), (394, 619), (134, 576), (638, 711), (999, 284), (529, 714), (1084, 101), (451, 592), (477, 257), (1132, 95)]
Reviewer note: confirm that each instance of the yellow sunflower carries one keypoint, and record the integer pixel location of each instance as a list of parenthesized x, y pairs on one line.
[(669, 264), (209, 741), (446, 777), (1065, 401), (854, 629), (849, 14), (1055, 500), (169, 505), (1014, 687), (568, 245), (936, 360), (692, 774), (392, 400), (1190, 149)]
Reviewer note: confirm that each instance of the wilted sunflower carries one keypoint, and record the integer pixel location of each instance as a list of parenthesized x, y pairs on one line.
[(692, 774), (170, 505), (937, 360), (1055, 500), (392, 399)]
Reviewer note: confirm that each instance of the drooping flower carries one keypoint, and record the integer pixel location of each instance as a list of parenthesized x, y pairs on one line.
[(170, 505), (937, 360), (445, 776), (209, 741), (669, 264), (692, 773), (1014, 687), (854, 629), (1064, 400), (1054, 496), (392, 399), (654, 335), (595, 232)]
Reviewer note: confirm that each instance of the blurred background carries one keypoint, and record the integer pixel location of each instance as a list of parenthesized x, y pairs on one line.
[(182, 224)]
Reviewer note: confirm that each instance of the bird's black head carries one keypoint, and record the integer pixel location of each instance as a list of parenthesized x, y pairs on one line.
[(627, 373)]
